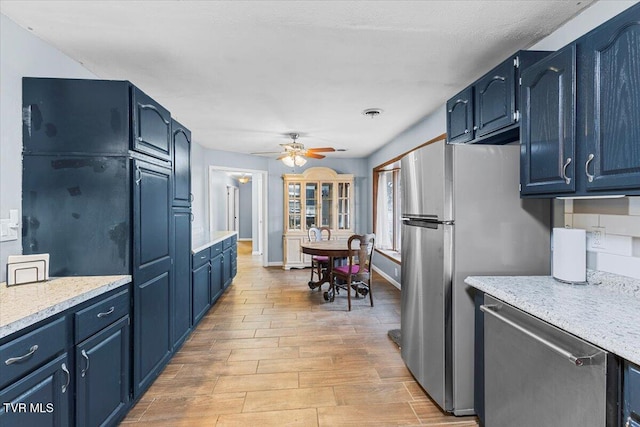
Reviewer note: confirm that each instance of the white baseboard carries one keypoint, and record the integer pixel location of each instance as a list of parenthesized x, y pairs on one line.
[(256, 253), (274, 264), (387, 277)]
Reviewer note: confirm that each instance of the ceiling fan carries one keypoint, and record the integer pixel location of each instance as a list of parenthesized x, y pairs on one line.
[(294, 152)]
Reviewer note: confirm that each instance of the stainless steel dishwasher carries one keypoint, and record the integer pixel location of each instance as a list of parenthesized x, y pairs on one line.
[(538, 375)]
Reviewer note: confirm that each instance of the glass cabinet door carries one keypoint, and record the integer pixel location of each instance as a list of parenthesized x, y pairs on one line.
[(327, 204), (295, 206), (311, 205), (344, 213)]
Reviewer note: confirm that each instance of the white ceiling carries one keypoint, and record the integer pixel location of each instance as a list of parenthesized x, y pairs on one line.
[(243, 74)]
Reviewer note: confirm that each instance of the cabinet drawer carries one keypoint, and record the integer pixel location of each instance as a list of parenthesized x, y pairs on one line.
[(216, 250), (200, 258), (101, 314), (20, 356), (228, 242)]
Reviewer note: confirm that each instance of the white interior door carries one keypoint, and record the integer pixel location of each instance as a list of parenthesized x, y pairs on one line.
[(233, 202)]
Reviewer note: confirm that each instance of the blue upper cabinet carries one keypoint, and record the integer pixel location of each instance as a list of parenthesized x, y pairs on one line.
[(488, 112), (586, 142), (495, 99), (547, 131), (460, 117), (151, 126), (609, 101), (181, 140)]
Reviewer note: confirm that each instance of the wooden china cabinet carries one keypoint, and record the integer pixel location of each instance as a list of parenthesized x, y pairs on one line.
[(317, 197)]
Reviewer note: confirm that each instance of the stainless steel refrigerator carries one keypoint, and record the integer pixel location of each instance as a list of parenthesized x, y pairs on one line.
[(462, 215)]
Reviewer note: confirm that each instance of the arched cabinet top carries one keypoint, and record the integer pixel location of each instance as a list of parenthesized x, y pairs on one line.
[(318, 173)]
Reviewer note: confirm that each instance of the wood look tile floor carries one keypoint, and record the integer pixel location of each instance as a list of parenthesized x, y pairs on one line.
[(272, 352)]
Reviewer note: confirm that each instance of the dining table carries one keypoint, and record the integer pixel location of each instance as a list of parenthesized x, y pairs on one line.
[(334, 250)]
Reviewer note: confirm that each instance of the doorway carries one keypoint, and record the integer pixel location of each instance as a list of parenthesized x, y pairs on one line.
[(228, 210)]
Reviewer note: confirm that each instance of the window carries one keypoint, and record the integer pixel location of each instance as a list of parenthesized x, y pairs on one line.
[(387, 190)]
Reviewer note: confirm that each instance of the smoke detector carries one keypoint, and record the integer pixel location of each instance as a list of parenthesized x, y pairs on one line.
[(372, 112)]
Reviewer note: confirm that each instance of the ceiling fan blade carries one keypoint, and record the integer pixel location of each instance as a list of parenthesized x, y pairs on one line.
[(267, 152), (322, 150), (314, 155)]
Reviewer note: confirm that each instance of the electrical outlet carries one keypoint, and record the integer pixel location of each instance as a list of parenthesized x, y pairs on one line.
[(598, 237)]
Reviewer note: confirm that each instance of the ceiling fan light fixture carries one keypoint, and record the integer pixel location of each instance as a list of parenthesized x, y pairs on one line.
[(244, 179), (293, 160)]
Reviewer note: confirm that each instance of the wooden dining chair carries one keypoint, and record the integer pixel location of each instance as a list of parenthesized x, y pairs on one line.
[(319, 263), (356, 274)]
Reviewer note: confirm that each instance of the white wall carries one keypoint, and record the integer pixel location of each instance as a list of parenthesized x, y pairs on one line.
[(21, 55)]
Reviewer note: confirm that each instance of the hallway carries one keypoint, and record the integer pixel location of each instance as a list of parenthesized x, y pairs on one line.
[(271, 352)]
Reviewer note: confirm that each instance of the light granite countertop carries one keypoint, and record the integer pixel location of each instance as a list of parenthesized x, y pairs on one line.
[(203, 241), (604, 312), (25, 305)]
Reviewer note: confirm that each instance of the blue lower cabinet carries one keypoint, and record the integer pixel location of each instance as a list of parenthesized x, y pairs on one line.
[(102, 376), (217, 283), (42, 398), (226, 268), (631, 402), (200, 292)]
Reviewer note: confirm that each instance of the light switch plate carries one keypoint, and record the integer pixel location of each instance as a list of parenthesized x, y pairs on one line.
[(8, 230)]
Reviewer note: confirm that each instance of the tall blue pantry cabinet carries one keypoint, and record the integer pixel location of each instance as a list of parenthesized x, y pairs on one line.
[(106, 190)]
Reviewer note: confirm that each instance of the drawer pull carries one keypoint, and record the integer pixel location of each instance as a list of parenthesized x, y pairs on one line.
[(13, 360), (106, 313), (86, 368), (66, 371)]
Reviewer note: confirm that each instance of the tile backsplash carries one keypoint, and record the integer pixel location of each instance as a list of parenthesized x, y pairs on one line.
[(613, 232)]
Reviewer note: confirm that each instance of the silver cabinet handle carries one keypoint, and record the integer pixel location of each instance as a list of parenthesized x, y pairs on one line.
[(567, 180), (192, 216), (586, 167), (576, 360), (106, 313), (466, 131), (138, 175), (628, 423), (86, 368), (12, 360), (191, 197), (475, 127), (66, 371)]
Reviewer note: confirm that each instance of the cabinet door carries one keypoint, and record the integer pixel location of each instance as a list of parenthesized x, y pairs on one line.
[(294, 206), (460, 117), (328, 204), (344, 206), (610, 103), (547, 162), (152, 271), (631, 394), (181, 284), (151, 126), (181, 139), (200, 293), (102, 376), (217, 280), (311, 205), (226, 267), (39, 399), (494, 99)]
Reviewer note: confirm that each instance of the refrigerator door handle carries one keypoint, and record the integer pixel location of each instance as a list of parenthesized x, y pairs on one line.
[(415, 221)]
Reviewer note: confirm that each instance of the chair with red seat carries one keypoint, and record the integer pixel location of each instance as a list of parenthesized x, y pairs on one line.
[(319, 263), (356, 274)]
